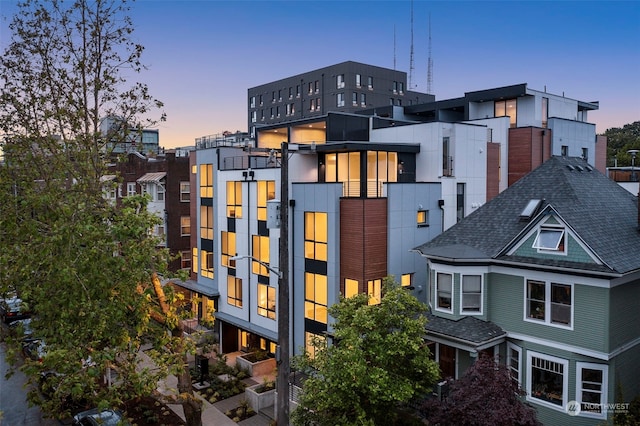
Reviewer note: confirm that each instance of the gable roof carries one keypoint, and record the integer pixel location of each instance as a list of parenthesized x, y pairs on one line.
[(600, 212)]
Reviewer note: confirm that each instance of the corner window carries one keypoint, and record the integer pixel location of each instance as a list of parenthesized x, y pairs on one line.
[(471, 294), (422, 218), (549, 303), (550, 239), (591, 389), (234, 199), (444, 291), (547, 380), (206, 180), (340, 81)]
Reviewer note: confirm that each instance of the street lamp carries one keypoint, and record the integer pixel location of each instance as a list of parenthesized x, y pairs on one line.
[(265, 264), (633, 153)]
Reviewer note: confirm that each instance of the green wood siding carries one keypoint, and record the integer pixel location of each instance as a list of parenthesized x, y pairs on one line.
[(506, 304), (575, 252), (625, 314)]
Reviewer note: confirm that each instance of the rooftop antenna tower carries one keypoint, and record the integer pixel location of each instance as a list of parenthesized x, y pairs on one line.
[(411, 66), (394, 47), (429, 63)]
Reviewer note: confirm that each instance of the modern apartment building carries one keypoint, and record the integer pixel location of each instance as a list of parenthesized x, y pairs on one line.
[(345, 87)]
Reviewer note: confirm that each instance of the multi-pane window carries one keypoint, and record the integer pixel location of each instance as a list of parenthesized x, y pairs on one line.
[(591, 388), (374, 290), (514, 361), (160, 192), (313, 343), (310, 87), (344, 167), (266, 192), (340, 99), (395, 87), (507, 108), (340, 81), (227, 248), (260, 251), (254, 116), (185, 259), (267, 301), (350, 287), (444, 291), (206, 222), (252, 102), (547, 378), (185, 226), (315, 235), (471, 294), (358, 80), (234, 291), (316, 86), (382, 167), (206, 180), (315, 297), (549, 302), (206, 264), (234, 199), (400, 87), (185, 192), (131, 188)]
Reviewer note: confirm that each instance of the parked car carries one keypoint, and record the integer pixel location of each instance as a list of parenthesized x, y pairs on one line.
[(34, 349), (105, 418), (21, 328), (11, 310)]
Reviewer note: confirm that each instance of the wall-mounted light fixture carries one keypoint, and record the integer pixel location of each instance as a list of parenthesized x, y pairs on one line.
[(400, 167)]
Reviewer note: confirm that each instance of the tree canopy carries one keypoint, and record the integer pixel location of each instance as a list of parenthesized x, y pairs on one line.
[(85, 267), (378, 361), (619, 141)]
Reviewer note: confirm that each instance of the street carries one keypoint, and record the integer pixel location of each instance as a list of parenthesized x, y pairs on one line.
[(14, 409)]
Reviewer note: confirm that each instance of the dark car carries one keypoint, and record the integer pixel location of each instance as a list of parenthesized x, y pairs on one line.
[(11, 310), (105, 418)]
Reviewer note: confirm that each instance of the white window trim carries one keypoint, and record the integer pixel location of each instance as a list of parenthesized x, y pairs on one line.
[(605, 386), (480, 312), (564, 237), (547, 304), (519, 350), (565, 380), (435, 296)]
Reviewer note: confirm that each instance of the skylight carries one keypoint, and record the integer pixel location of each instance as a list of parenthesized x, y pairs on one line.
[(530, 209)]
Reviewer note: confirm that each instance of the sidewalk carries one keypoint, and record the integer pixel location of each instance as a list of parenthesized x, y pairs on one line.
[(212, 414)]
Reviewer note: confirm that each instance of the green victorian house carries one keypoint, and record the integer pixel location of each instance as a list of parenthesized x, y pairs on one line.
[(546, 278)]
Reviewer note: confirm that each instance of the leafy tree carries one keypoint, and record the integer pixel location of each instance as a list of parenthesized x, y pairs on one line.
[(485, 395), (85, 267), (621, 140), (378, 361)]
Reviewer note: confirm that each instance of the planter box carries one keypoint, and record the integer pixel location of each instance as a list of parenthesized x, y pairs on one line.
[(258, 368), (258, 401)]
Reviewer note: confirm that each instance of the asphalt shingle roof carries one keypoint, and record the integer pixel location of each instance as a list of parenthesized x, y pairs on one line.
[(602, 213), (471, 329)]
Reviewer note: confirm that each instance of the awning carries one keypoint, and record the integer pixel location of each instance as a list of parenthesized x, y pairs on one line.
[(152, 177), (107, 178)]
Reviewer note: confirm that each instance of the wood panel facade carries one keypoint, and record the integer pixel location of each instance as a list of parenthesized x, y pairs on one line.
[(529, 147), (493, 170)]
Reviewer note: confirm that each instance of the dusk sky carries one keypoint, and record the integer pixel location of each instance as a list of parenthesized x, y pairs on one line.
[(204, 55)]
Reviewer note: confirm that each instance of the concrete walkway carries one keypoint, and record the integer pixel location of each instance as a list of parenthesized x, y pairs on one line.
[(212, 414)]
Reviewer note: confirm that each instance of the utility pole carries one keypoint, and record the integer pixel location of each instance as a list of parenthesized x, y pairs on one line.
[(282, 382)]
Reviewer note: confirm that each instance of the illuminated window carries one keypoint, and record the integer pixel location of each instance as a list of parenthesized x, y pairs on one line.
[(507, 108), (267, 301), (206, 222), (266, 192), (315, 236), (313, 343), (350, 287), (194, 260), (234, 291), (268, 346), (382, 167), (206, 180), (206, 264), (260, 251), (227, 248), (422, 218), (185, 259), (185, 226), (234, 199), (185, 192), (315, 297), (374, 290), (406, 280)]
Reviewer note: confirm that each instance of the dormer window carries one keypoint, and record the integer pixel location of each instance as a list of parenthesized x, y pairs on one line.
[(551, 239)]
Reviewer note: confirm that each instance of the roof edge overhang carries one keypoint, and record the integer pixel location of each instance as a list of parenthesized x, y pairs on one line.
[(342, 146), (464, 344)]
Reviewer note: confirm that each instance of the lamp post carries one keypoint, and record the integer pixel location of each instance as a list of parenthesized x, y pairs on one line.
[(633, 153)]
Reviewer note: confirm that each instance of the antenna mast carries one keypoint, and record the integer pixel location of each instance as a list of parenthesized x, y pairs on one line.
[(411, 66), (394, 47), (429, 63)]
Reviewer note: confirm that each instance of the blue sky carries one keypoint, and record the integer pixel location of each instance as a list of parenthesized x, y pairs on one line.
[(204, 55)]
